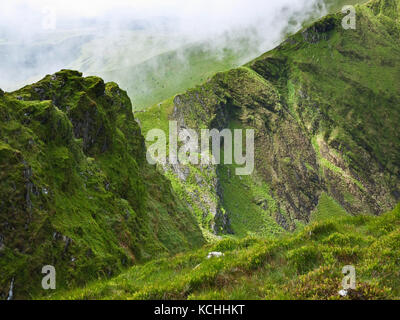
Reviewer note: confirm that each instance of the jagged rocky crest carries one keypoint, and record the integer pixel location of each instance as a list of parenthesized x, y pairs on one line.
[(76, 190)]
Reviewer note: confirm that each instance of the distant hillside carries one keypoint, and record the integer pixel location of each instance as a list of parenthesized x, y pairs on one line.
[(147, 58)]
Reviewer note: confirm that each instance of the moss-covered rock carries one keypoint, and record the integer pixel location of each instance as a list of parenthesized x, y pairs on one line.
[(76, 191)]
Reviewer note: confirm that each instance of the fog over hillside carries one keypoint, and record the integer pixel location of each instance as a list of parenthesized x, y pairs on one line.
[(40, 37)]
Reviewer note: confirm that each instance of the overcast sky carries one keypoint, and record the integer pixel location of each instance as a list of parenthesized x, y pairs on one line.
[(201, 15), (90, 8), (25, 23)]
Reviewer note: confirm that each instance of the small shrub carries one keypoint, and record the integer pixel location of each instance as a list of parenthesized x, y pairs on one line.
[(303, 258)]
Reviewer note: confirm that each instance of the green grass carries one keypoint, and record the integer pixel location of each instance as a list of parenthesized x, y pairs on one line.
[(247, 199), (249, 204), (304, 265), (327, 209)]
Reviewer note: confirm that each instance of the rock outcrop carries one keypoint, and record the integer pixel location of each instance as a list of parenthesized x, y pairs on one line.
[(76, 190)]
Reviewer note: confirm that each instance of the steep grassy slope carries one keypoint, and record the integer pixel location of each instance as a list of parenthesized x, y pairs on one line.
[(76, 190), (342, 87), (305, 265), (164, 75), (325, 107), (336, 5)]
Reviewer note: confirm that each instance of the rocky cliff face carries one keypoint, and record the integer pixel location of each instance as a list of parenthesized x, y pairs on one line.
[(325, 106), (75, 189)]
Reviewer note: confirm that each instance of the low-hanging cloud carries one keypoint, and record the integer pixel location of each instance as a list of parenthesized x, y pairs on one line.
[(38, 37)]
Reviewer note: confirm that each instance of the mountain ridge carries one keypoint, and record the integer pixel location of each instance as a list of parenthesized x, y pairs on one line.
[(310, 101), (76, 190)]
